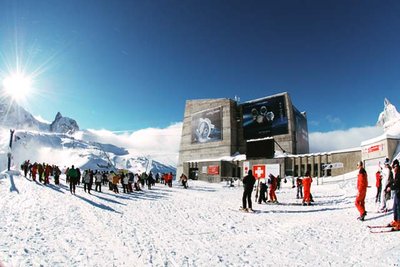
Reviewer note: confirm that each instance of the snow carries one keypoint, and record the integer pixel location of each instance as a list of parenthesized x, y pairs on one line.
[(200, 226)]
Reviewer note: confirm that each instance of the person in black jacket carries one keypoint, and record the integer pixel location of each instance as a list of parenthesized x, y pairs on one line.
[(248, 182), (395, 187)]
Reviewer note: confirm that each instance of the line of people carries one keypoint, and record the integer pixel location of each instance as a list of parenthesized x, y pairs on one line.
[(128, 180)]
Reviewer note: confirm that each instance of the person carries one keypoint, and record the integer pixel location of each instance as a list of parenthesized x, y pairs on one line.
[(378, 185), (86, 181), (184, 180), (299, 183), (57, 173), (47, 171), (263, 191), (395, 188), (150, 180), (124, 181), (25, 167), (307, 180), (278, 182), (387, 176), (248, 182), (98, 178), (168, 179), (73, 176), (115, 181), (362, 184), (272, 188)]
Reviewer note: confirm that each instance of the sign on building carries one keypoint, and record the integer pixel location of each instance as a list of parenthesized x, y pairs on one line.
[(213, 170)]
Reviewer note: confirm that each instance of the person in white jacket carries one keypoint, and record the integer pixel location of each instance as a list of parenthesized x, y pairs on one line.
[(387, 175)]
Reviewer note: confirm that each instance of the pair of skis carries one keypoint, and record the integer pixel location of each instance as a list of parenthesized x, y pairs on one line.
[(378, 229)]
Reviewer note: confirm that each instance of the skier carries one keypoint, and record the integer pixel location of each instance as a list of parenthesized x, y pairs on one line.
[(307, 180), (378, 186), (248, 182), (395, 187), (272, 188), (362, 183), (387, 176)]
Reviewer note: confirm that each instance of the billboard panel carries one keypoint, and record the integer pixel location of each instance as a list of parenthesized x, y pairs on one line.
[(207, 126), (265, 117), (302, 145)]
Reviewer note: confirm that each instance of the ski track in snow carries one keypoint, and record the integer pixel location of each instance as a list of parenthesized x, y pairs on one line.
[(201, 226)]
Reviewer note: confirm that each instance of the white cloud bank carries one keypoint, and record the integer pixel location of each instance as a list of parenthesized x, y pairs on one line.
[(342, 139), (160, 144)]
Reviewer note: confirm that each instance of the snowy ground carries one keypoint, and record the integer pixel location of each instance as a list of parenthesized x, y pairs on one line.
[(201, 226)]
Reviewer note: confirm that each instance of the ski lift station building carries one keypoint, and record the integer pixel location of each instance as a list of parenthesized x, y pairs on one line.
[(223, 139)]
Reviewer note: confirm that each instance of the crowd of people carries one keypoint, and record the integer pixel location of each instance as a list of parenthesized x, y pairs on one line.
[(115, 180), (266, 190), (387, 187)]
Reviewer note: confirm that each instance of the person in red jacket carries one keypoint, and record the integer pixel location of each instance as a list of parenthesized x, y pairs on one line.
[(272, 189), (307, 180), (362, 183), (378, 184)]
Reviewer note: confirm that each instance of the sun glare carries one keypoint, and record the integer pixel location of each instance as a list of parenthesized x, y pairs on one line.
[(17, 86)]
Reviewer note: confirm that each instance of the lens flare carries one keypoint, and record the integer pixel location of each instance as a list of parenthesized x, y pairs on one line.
[(17, 86)]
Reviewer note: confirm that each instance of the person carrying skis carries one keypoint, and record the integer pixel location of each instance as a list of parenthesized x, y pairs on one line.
[(395, 187), (248, 182), (307, 180), (362, 184), (387, 177)]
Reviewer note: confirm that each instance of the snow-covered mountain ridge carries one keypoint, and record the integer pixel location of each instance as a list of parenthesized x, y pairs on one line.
[(14, 116), (63, 144)]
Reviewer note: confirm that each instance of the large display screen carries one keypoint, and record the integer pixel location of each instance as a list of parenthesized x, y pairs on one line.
[(301, 132), (265, 117), (207, 126)]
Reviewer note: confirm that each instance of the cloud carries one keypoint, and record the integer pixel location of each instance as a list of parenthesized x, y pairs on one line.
[(39, 118), (342, 139), (159, 144)]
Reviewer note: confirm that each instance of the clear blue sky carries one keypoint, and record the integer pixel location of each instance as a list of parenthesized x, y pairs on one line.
[(122, 65)]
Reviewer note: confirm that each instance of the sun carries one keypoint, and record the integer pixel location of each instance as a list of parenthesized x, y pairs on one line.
[(17, 86)]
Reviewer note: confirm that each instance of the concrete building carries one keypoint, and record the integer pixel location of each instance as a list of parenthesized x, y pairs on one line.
[(222, 138)]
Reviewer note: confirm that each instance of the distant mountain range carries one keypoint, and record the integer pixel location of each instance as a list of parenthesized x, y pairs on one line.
[(57, 143)]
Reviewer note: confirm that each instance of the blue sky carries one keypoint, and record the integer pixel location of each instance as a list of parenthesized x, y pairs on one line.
[(129, 65)]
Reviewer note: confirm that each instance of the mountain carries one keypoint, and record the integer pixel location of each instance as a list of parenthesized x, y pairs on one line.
[(63, 125), (14, 116), (63, 144), (65, 150)]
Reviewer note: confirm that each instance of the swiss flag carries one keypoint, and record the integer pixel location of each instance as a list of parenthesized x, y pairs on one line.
[(259, 171)]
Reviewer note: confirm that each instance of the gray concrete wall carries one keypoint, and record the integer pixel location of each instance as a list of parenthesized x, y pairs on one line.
[(210, 150)]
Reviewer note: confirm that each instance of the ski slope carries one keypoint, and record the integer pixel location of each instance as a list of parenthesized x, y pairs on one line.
[(200, 226)]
